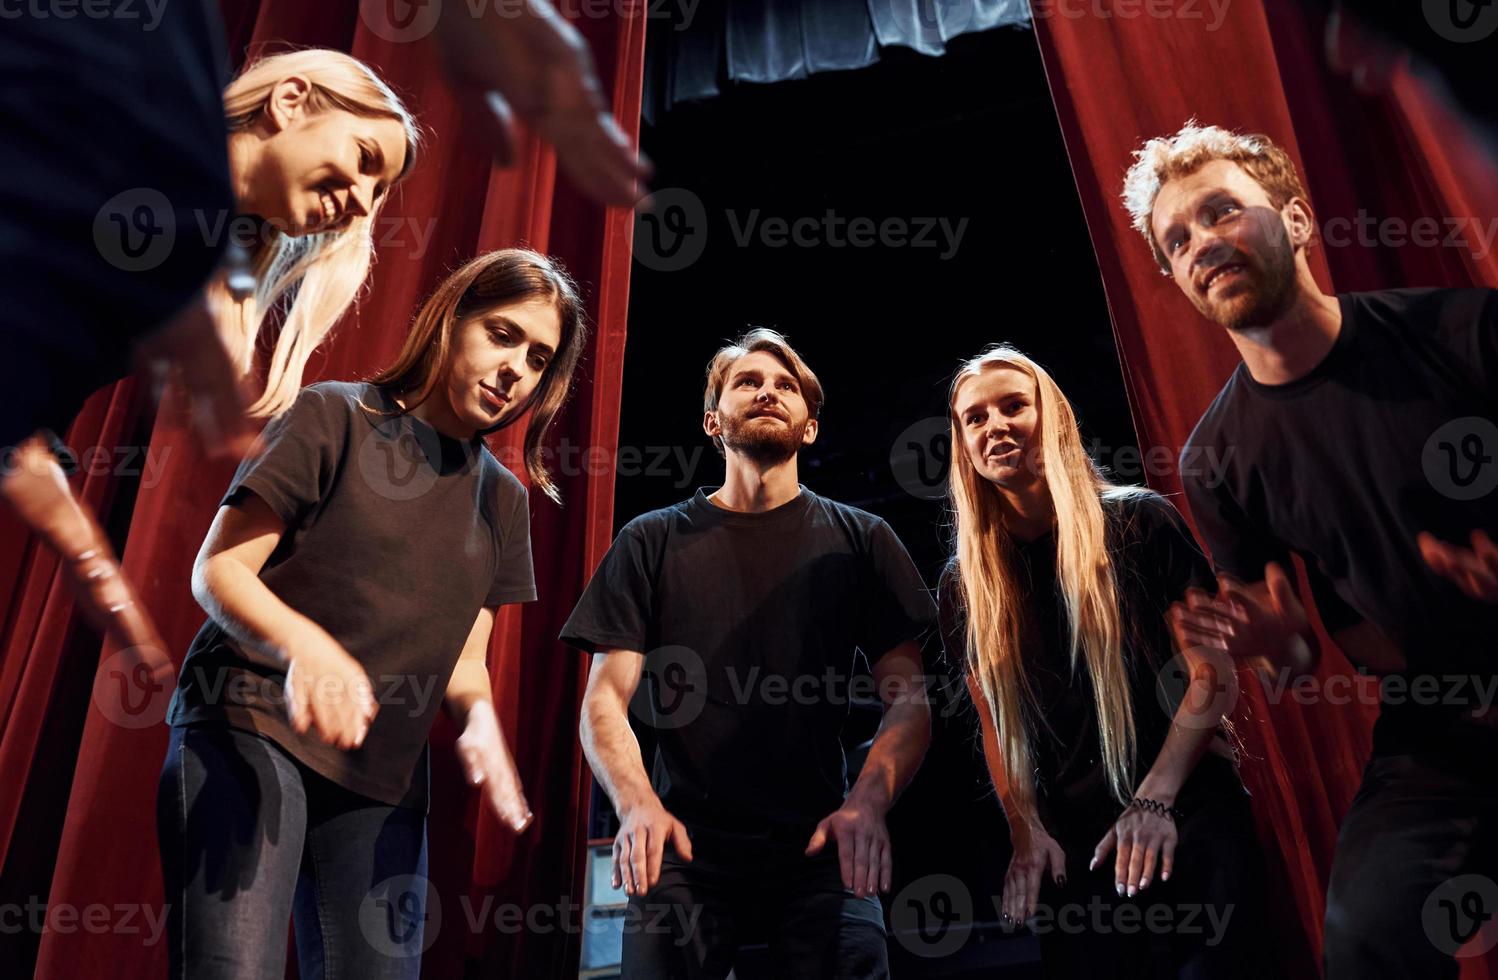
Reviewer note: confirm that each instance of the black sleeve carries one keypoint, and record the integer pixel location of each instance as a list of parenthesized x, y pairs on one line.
[(1335, 613), (515, 579), (899, 606), (294, 461), (1237, 546), (617, 608), (1180, 562)]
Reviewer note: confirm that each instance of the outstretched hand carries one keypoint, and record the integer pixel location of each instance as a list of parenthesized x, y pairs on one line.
[(529, 62), (1250, 622)]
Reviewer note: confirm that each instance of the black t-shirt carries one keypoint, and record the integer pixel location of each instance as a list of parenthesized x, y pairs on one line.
[(396, 536), (749, 623), (1390, 435), (1155, 560)]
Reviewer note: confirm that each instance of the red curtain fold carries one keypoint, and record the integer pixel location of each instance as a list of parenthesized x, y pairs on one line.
[(1120, 74), (453, 206)]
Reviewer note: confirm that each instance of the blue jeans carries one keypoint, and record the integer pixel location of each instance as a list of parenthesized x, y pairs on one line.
[(250, 836)]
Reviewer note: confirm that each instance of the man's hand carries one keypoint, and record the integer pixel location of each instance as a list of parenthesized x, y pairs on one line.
[(1141, 838), (1474, 570), (488, 763), (1035, 853), (644, 831), (862, 846), (530, 62), (1264, 621)]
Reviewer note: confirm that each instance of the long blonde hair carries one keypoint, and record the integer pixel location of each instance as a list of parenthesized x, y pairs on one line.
[(987, 589), (314, 277)]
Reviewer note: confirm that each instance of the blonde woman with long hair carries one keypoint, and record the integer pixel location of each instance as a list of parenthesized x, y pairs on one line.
[(1055, 599)]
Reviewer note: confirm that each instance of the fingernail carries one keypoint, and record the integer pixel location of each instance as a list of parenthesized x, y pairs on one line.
[(1165, 876), (1118, 886), (1061, 880), (1143, 883), (1092, 865), (1133, 891)]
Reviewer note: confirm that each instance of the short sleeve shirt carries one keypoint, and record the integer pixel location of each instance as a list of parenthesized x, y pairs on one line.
[(750, 623), (396, 536)]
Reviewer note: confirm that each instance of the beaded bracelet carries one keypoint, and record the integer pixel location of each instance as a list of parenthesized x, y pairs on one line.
[(1154, 806)]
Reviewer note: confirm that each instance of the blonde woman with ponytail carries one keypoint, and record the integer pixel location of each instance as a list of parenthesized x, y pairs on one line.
[(1055, 600)]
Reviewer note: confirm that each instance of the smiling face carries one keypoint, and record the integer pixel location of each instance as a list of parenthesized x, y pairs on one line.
[(998, 415), (762, 413), (316, 171), (1230, 250), (498, 358)]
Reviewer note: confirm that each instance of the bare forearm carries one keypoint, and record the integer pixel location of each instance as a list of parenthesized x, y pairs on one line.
[(614, 754), (1191, 732), (246, 608), (468, 687), (39, 493), (896, 754)]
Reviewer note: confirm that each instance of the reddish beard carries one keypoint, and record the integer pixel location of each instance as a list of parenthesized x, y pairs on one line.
[(761, 442)]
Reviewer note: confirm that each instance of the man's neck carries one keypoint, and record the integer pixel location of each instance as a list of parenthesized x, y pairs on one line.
[(1289, 347), (752, 487)]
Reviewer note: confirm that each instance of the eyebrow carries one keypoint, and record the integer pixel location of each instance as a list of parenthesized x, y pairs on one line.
[(750, 372)]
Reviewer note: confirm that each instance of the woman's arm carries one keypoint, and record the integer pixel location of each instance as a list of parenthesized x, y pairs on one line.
[(326, 689), (1035, 850), (469, 701)]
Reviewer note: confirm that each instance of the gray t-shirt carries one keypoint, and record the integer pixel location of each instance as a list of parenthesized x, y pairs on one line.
[(396, 536)]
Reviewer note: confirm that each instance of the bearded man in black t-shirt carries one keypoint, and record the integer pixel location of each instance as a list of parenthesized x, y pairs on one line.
[(1358, 434), (746, 605)]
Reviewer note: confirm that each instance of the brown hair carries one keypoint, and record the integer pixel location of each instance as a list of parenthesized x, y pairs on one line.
[(509, 275), (773, 342), (1181, 154)]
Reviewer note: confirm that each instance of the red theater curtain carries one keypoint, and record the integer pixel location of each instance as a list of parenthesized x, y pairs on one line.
[(79, 771), (1120, 72)]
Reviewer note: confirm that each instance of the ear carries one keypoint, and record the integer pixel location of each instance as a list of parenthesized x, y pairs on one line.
[(810, 435), (1300, 221), (710, 424), (287, 102)]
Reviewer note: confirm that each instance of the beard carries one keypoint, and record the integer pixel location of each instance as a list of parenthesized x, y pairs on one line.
[(761, 442), (1263, 295)]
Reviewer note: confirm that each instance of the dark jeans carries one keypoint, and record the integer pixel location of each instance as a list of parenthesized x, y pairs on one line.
[(737, 892), (250, 837), (1207, 921), (1415, 870)]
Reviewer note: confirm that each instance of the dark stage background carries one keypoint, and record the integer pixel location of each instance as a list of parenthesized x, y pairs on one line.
[(970, 137)]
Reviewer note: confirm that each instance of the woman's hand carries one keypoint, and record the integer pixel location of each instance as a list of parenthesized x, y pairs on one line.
[(487, 763), (326, 689), (1142, 839), (1035, 852)]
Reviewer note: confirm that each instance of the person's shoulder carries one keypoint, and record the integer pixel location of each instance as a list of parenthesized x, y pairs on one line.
[(342, 392), (862, 522), (1139, 506), (1425, 305), (507, 485), (656, 523)]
